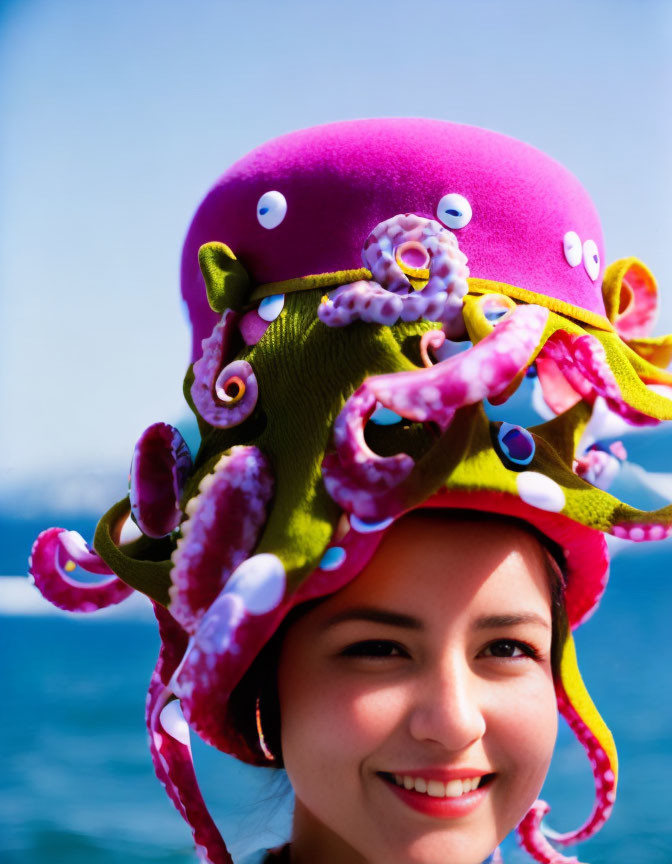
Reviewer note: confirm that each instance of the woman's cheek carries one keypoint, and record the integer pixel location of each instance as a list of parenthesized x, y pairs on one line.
[(340, 719), (373, 713), (523, 729)]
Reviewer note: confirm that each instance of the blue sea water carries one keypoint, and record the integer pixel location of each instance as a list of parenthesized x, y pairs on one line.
[(77, 786)]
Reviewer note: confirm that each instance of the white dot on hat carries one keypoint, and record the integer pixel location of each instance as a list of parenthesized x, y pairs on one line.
[(540, 491), (271, 209), (571, 243), (591, 259), (454, 211), (271, 307)]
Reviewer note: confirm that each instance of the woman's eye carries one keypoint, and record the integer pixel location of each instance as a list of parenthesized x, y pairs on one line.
[(509, 648), (377, 648)]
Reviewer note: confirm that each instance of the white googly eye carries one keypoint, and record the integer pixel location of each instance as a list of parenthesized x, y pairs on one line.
[(591, 259), (454, 210), (271, 209), (271, 307), (571, 243)]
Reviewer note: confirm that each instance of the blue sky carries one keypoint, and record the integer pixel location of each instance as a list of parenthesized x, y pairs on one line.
[(117, 117)]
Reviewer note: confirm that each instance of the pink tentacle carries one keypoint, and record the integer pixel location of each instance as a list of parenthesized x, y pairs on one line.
[(396, 246), (360, 301), (224, 395), (431, 341), (57, 551), (223, 526), (159, 470), (558, 393), (237, 624), (639, 296), (531, 834), (363, 482), (174, 767), (641, 532), (429, 243), (534, 841), (598, 467), (605, 779), (583, 362)]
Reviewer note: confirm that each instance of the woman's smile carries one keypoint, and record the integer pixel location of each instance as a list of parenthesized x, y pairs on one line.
[(442, 800), (423, 691)]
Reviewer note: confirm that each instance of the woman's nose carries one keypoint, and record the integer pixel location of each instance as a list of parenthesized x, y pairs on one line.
[(446, 708)]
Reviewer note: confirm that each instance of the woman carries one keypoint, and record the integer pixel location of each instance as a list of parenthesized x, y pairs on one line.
[(418, 712), (333, 400)]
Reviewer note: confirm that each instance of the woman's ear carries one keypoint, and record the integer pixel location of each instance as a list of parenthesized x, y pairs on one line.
[(226, 280)]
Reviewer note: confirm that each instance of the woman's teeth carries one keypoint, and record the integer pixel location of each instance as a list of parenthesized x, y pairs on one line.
[(437, 789)]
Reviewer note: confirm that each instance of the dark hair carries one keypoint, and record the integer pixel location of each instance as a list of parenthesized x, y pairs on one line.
[(261, 679)]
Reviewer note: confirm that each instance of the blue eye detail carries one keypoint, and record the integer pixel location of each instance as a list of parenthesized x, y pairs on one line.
[(271, 209), (515, 444), (333, 558), (495, 314), (383, 416), (454, 210)]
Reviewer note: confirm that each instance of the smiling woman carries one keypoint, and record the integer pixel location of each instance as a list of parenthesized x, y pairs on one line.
[(424, 692), (362, 576)]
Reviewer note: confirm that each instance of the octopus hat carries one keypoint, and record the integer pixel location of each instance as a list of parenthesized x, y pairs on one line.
[(357, 292)]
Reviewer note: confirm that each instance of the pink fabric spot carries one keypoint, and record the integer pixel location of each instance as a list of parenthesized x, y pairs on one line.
[(252, 327)]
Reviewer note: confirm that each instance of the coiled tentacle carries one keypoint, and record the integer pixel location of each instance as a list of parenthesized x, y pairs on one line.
[(224, 395), (599, 467), (222, 528), (433, 340), (577, 708), (397, 249), (583, 362), (356, 477), (534, 841), (360, 301), (630, 298), (57, 552), (160, 467), (170, 747)]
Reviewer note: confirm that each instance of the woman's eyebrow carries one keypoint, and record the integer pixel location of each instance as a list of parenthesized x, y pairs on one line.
[(492, 622), (377, 615)]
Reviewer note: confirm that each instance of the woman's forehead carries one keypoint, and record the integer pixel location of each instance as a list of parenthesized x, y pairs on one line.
[(427, 562)]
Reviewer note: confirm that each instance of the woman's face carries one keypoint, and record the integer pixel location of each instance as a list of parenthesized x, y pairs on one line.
[(433, 667)]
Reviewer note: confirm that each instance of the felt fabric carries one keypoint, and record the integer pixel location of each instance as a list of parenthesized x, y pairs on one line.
[(342, 179)]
